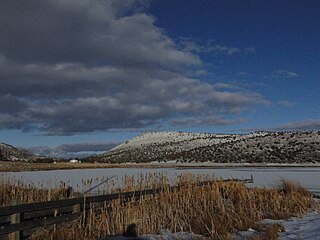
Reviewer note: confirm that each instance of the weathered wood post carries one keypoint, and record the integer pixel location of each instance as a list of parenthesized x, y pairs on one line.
[(16, 218), (76, 208)]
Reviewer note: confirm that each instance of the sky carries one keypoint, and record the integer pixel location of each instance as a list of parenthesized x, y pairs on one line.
[(84, 75)]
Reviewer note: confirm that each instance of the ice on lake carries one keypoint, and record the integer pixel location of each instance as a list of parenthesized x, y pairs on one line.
[(308, 177)]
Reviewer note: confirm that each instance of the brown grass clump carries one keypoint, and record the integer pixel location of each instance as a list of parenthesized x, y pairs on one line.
[(216, 210), (268, 232), (66, 232), (12, 193), (290, 187), (7, 166)]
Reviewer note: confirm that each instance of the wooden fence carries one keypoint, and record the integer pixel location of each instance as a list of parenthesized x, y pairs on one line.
[(16, 222), (17, 219)]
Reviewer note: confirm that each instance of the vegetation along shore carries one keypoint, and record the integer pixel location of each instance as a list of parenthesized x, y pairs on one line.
[(215, 210)]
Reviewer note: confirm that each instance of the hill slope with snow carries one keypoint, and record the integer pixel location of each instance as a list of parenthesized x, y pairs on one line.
[(273, 147), (11, 153)]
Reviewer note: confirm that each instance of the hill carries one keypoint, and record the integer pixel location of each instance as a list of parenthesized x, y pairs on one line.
[(258, 147), (11, 153)]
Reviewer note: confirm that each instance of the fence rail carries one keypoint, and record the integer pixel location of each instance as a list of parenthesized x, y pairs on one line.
[(16, 220)]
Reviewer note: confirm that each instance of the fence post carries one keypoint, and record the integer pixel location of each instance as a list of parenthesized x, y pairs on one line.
[(76, 208), (14, 219)]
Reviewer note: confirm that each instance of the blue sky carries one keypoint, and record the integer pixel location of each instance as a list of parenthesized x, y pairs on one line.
[(95, 73)]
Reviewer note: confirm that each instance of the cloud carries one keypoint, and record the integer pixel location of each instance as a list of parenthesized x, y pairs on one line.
[(71, 67), (234, 102), (242, 73), (287, 103), (205, 121), (191, 46), (249, 50), (218, 49), (73, 150), (222, 85), (10, 104), (197, 46), (311, 124), (284, 74)]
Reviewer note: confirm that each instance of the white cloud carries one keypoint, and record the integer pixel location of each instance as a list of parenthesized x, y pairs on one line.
[(287, 103), (211, 47), (284, 74), (218, 49)]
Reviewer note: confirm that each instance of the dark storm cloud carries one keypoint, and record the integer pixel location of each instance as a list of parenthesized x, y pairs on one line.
[(12, 111), (75, 66), (86, 31), (10, 104)]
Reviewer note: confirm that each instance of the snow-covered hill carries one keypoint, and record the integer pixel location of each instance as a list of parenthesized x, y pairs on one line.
[(181, 140), (174, 138), (11, 153), (280, 147)]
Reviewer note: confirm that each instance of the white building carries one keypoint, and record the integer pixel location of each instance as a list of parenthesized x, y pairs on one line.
[(74, 161)]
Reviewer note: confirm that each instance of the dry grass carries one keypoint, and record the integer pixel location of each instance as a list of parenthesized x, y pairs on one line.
[(6, 166), (268, 232), (215, 210), (16, 192)]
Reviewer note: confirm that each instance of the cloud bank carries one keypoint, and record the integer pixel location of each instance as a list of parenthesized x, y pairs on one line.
[(73, 150), (70, 67), (311, 124)]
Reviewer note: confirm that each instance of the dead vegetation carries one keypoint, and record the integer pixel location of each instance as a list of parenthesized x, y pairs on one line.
[(215, 210), (16, 192)]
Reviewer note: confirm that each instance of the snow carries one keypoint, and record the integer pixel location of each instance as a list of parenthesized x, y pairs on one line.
[(306, 228), (187, 140), (161, 138)]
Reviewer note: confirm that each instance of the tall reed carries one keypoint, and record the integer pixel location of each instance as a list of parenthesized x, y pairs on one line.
[(14, 192), (216, 210)]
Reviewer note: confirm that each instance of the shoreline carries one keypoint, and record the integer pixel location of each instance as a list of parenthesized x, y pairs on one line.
[(22, 167)]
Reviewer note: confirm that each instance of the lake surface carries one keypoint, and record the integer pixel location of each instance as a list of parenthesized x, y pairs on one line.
[(308, 177)]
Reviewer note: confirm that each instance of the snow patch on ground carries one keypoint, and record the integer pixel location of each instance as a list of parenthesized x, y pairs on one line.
[(306, 228)]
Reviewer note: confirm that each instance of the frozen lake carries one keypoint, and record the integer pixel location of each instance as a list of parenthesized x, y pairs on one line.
[(308, 177)]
